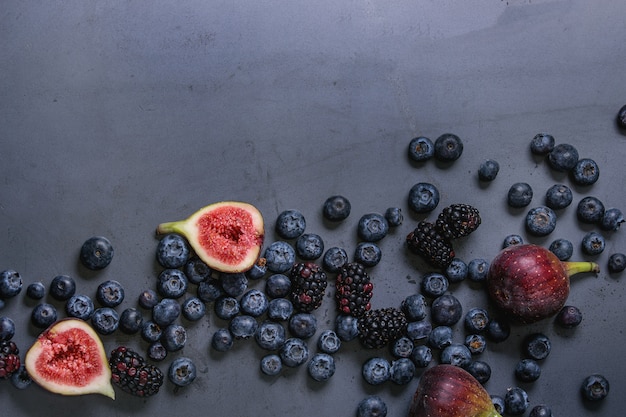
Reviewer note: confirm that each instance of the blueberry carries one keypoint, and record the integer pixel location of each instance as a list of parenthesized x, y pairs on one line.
[(479, 370), (166, 312), (303, 325), (234, 284), (419, 330), (346, 327), (421, 149), (559, 196), (456, 271), (537, 346), (456, 354), (36, 290), (488, 170), (612, 219), (394, 216), (334, 258), (172, 283), (541, 221), (520, 195), (222, 340), (476, 343), (593, 243), (421, 356), (197, 271), (414, 307), (130, 320), (156, 351), (277, 286), (477, 270), (402, 371), (7, 328), (585, 172), (243, 327), (542, 144), (182, 372), (376, 370), (527, 370), (21, 379), (368, 254), (321, 367), (150, 331), (563, 157), (617, 262), (402, 347), (562, 248), (569, 317), (423, 197), (448, 147), (290, 224), (258, 270), (271, 365), (105, 320), (172, 251), (210, 290), (446, 310), (336, 208), (540, 410), (440, 337), (10, 283), (43, 315), (193, 309), (280, 256), (254, 303), (595, 387), (372, 227), (516, 401), (174, 337), (476, 320), (96, 253), (148, 299), (270, 335), (434, 284), (511, 240), (329, 342), (498, 330), (226, 307), (309, 246), (62, 287), (279, 309), (294, 352), (498, 403), (621, 118), (590, 210), (371, 406), (110, 293)]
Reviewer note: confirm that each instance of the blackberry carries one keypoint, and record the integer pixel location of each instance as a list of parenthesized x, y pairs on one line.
[(9, 359), (308, 286), (457, 220), (353, 290), (379, 327), (132, 374), (428, 243)]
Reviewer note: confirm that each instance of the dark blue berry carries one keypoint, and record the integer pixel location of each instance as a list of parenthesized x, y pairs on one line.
[(590, 210), (440, 337), (174, 337), (479, 370), (617, 262), (303, 325), (334, 259), (593, 243), (279, 309), (173, 251), (222, 340), (110, 293), (197, 271), (271, 365), (476, 343), (336, 208), (540, 410), (328, 342), (96, 253), (156, 351), (210, 290), (520, 195), (243, 327), (193, 309), (7, 328), (10, 283), (254, 303), (36, 290), (309, 246), (130, 320), (148, 299), (498, 403), (488, 170), (421, 355), (376, 370), (456, 271), (498, 330), (446, 310), (542, 144), (280, 256), (511, 240), (541, 221), (434, 284), (419, 330), (372, 227), (527, 370), (595, 387), (563, 157), (569, 317), (402, 347), (346, 327), (477, 270), (166, 312), (172, 283), (414, 307), (537, 346), (105, 320), (421, 149), (448, 147), (612, 219), (621, 118), (182, 372), (402, 371), (516, 401), (258, 270), (476, 320), (368, 254), (79, 306), (62, 287), (456, 354), (585, 172), (423, 197), (226, 307), (290, 224), (294, 352), (21, 379), (277, 286), (372, 406), (234, 284), (150, 331), (562, 249), (394, 216), (559, 196), (321, 367), (43, 315)]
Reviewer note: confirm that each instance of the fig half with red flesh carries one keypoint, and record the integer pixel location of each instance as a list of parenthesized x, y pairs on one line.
[(529, 283), (68, 358), (227, 236)]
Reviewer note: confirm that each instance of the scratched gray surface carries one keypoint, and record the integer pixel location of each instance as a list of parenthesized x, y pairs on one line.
[(116, 116)]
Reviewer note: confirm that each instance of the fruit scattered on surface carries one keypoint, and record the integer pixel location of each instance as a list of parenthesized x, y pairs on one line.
[(173, 251), (520, 195), (563, 157), (132, 374), (308, 286), (353, 290), (426, 241), (9, 359), (448, 147), (421, 149), (372, 406), (379, 327), (96, 253), (595, 387), (542, 144), (423, 197), (458, 220), (488, 170), (182, 371)]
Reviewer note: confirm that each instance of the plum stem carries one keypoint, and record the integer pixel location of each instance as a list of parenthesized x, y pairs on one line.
[(573, 268)]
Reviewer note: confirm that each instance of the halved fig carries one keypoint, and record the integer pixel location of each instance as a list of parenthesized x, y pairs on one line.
[(68, 359), (227, 236)]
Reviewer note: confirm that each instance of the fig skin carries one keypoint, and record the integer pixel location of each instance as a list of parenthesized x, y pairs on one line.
[(227, 236), (528, 283), (90, 374), (450, 391)]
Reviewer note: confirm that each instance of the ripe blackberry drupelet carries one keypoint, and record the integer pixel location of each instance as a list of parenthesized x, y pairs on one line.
[(378, 328), (353, 290), (9, 359), (130, 372), (458, 220), (308, 286), (428, 243)]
